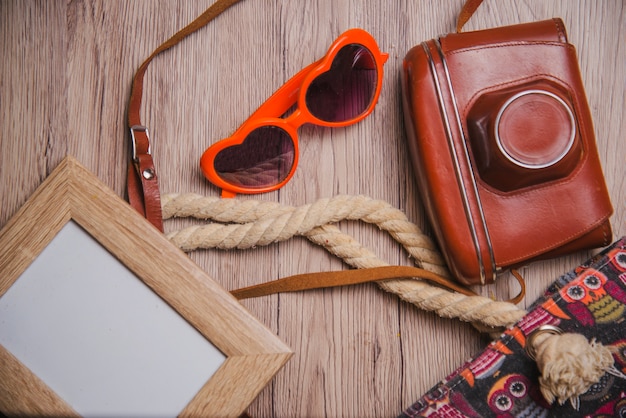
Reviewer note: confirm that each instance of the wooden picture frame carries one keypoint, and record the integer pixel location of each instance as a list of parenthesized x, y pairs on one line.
[(253, 354)]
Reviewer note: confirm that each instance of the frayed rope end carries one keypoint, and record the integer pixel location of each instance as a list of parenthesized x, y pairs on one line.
[(569, 363)]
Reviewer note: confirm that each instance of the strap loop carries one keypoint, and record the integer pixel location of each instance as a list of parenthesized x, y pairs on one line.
[(520, 296), (139, 147)]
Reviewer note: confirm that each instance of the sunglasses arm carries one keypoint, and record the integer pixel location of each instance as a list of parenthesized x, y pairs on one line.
[(285, 97)]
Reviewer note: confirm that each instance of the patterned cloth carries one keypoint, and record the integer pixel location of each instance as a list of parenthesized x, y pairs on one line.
[(502, 381)]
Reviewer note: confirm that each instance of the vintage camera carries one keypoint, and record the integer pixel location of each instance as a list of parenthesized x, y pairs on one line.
[(503, 148)]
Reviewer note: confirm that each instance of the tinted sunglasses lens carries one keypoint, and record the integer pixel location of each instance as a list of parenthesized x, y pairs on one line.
[(264, 159), (347, 89)]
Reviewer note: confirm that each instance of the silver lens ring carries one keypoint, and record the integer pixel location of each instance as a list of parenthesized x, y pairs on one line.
[(516, 161)]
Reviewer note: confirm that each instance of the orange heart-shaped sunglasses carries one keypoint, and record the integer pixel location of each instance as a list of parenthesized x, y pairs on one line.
[(338, 90)]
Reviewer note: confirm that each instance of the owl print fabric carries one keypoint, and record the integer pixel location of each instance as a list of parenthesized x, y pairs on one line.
[(502, 381)]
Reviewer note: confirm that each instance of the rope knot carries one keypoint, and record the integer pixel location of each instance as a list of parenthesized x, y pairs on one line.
[(569, 363)]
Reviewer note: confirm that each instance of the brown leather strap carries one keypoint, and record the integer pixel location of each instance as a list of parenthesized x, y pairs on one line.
[(143, 184), (466, 13), (309, 281), (143, 188)]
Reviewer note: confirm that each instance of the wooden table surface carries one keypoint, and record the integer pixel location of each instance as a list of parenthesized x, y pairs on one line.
[(65, 73)]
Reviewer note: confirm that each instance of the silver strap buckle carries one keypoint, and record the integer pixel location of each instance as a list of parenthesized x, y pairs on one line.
[(138, 128)]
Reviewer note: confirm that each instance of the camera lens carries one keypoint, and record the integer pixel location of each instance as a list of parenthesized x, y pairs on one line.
[(534, 129), (524, 135)]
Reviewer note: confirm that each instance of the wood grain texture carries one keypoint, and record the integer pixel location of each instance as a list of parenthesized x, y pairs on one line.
[(65, 80), (23, 393)]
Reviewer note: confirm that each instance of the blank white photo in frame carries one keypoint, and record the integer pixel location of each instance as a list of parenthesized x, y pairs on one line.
[(99, 337)]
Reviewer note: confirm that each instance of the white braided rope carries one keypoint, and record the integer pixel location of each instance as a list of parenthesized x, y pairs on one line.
[(262, 223), (252, 223)]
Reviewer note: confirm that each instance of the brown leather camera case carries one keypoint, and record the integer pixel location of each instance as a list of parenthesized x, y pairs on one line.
[(503, 148)]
